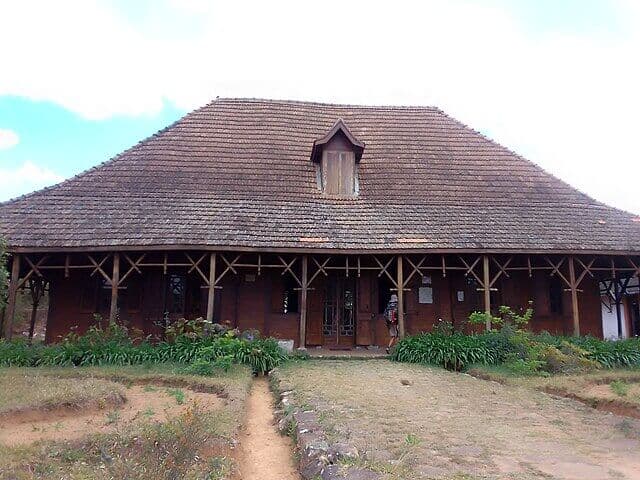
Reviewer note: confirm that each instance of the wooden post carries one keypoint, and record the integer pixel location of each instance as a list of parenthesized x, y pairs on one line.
[(212, 287), (574, 297), (115, 280), (303, 302), (36, 287), (11, 300), (487, 290), (400, 282)]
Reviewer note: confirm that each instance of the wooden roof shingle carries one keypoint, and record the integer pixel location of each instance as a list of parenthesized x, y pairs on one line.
[(237, 174)]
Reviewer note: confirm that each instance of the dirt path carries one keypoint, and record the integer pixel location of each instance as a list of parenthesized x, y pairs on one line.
[(264, 453)]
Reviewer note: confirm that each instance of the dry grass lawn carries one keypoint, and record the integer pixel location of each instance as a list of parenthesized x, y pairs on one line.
[(21, 390), (444, 425), (168, 425)]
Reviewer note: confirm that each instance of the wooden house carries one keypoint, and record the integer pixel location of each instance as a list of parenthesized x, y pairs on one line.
[(301, 219)]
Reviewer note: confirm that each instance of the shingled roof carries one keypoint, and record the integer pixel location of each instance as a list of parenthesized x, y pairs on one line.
[(237, 174)]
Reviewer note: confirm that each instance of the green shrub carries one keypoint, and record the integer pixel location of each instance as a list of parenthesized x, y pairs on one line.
[(200, 367), (611, 353), (454, 352), (520, 366), (299, 355), (209, 368), (520, 351), (261, 355), (619, 387), (113, 346), (443, 327), (507, 317), (223, 364), (565, 360)]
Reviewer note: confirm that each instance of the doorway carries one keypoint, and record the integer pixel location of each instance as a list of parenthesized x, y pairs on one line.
[(339, 316)]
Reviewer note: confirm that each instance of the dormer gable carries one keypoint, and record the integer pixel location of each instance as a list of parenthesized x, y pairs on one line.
[(336, 155), (338, 128)]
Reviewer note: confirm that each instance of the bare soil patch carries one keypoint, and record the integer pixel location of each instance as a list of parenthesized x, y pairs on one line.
[(137, 404), (264, 453), (595, 389), (442, 425), (607, 392)]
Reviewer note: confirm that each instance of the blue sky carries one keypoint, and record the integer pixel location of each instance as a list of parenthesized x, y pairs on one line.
[(63, 142), (553, 80)]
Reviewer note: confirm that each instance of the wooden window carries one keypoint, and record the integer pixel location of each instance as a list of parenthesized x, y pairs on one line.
[(339, 173), (104, 298), (133, 295), (89, 296), (284, 295), (555, 296), (176, 293), (290, 296)]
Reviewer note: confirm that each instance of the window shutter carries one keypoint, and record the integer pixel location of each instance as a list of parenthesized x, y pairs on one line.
[(338, 172)]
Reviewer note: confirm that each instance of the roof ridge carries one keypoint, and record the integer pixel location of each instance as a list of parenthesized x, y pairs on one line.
[(284, 101)]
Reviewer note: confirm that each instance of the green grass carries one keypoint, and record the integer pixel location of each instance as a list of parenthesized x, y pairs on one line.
[(177, 394)]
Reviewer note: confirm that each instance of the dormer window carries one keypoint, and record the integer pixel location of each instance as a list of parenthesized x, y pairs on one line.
[(338, 172), (337, 155)]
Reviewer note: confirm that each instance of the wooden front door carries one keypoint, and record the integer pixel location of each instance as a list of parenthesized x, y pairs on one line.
[(339, 316)]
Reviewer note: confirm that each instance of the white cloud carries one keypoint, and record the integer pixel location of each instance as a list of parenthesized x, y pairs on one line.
[(568, 101), (25, 178), (8, 139)]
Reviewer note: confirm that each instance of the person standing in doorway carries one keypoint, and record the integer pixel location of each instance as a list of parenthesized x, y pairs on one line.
[(391, 319)]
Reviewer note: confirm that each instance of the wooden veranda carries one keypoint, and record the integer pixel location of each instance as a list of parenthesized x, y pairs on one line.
[(485, 269)]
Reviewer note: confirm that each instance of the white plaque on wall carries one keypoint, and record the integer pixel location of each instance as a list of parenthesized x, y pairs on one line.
[(425, 295)]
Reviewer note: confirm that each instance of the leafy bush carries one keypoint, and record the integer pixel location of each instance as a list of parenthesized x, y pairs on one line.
[(520, 366), (200, 367), (210, 368), (508, 317), (518, 350), (261, 355), (113, 346), (610, 353), (453, 352), (565, 359), (619, 387), (443, 327)]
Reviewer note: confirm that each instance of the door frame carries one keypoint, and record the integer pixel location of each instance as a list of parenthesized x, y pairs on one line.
[(337, 286)]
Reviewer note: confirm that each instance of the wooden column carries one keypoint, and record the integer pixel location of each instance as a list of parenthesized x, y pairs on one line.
[(574, 297), (115, 280), (11, 300), (303, 302), (486, 280), (400, 282), (36, 288), (211, 298)]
